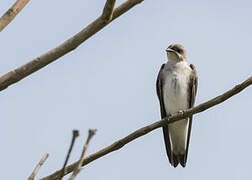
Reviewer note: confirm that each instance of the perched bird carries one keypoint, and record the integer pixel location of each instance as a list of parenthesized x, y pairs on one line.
[(176, 89)]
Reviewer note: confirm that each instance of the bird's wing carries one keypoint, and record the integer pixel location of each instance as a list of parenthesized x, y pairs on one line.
[(192, 92), (159, 88)]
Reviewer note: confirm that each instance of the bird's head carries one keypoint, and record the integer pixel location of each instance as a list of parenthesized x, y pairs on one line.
[(176, 52)]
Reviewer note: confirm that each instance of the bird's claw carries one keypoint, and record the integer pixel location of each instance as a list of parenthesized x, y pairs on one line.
[(181, 112)]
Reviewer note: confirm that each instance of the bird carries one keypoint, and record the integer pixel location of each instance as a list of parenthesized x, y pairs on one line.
[(176, 87)]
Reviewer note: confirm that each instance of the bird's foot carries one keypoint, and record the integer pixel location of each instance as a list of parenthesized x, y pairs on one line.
[(181, 112)]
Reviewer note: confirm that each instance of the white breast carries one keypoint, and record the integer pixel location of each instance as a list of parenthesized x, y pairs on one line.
[(175, 95), (175, 87)]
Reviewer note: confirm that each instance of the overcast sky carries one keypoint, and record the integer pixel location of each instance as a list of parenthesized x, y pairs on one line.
[(108, 83)]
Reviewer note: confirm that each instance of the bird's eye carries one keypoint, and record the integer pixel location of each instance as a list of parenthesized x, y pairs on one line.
[(176, 49)]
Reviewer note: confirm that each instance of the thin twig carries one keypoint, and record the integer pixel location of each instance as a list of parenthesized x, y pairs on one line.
[(11, 13), (142, 131), (91, 133), (74, 136), (64, 48), (35, 171), (107, 13)]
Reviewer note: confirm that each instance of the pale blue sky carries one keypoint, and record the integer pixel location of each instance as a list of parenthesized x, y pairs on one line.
[(108, 83)]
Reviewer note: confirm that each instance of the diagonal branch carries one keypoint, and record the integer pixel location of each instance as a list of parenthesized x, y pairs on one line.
[(41, 162), (142, 131), (11, 13), (67, 46)]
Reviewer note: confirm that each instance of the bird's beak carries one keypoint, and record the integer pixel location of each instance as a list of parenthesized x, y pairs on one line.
[(169, 50)]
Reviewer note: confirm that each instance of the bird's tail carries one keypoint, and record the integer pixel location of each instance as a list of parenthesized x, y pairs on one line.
[(178, 159), (174, 159)]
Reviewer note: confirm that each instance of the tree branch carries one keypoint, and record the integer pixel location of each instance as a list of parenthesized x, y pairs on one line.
[(69, 45), (41, 162), (108, 10), (11, 13), (75, 134), (142, 131), (77, 169)]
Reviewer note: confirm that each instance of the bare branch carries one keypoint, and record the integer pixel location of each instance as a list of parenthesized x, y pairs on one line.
[(108, 10), (64, 48), (142, 131), (11, 13), (74, 136), (41, 162), (77, 169)]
